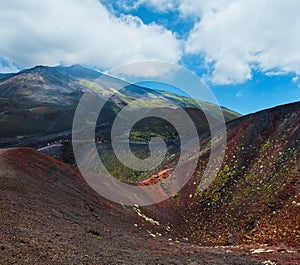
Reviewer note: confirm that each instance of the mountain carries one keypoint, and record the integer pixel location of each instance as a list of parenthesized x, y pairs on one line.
[(49, 212), (42, 100), (37, 108)]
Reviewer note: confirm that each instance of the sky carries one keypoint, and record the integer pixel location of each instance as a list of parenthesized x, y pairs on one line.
[(247, 51)]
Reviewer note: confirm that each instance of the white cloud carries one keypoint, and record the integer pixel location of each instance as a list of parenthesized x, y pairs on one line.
[(201, 7), (239, 94), (8, 66), (295, 79), (159, 5), (234, 36), (238, 36), (79, 31), (275, 73), (147, 69), (185, 7)]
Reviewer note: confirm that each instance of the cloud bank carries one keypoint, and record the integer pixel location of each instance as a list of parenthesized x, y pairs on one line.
[(235, 37), (79, 31)]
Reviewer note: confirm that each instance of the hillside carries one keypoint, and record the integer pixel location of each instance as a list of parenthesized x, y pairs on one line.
[(49, 211), (255, 198), (42, 100), (49, 215), (253, 201)]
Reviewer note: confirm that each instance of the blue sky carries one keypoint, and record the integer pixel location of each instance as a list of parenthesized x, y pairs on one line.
[(248, 52)]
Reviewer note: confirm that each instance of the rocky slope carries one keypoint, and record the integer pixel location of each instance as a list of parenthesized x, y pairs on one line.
[(255, 198), (49, 215), (249, 215)]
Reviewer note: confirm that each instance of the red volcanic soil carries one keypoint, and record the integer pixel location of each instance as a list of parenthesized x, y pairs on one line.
[(255, 197), (49, 215), (248, 215), (158, 177)]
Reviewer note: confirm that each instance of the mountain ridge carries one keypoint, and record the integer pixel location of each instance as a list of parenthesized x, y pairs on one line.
[(57, 90)]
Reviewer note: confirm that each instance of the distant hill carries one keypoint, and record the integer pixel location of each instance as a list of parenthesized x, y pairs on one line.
[(42, 100)]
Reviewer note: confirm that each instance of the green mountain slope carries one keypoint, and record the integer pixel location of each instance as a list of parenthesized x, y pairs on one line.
[(42, 100)]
